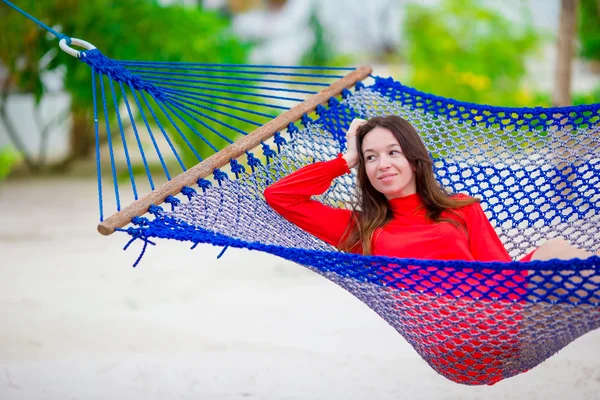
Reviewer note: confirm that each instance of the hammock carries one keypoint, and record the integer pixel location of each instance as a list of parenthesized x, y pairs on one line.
[(537, 171)]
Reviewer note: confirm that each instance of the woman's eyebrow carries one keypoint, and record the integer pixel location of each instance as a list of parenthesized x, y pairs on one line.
[(389, 146)]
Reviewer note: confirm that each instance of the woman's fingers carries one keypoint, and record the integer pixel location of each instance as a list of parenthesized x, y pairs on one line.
[(354, 125), (351, 155)]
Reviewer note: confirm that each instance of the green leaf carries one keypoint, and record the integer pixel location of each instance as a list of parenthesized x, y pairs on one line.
[(8, 159)]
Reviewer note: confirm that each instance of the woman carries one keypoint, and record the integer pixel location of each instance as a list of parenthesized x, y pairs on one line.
[(404, 212), (467, 325)]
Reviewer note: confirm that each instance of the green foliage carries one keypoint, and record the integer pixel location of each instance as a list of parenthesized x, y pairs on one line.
[(592, 97), (122, 30), (579, 98), (8, 160), (321, 53), (589, 29), (466, 51)]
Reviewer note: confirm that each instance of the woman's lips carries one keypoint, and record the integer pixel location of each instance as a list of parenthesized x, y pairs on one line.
[(387, 177)]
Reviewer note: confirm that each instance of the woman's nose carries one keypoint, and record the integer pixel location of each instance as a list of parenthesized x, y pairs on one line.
[(384, 163)]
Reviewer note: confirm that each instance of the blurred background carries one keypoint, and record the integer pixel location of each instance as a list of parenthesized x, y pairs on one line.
[(76, 322), (511, 53)]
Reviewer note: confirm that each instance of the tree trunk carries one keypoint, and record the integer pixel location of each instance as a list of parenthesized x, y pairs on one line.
[(565, 51), (82, 135), (81, 140)]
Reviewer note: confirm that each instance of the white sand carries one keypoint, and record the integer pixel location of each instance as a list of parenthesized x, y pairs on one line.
[(79, 323)]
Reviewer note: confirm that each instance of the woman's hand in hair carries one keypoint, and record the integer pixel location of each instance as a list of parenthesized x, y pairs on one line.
[(351, 154)]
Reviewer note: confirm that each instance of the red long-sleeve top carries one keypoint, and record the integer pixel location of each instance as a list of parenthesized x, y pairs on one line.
[(408, 235), (478, 355)]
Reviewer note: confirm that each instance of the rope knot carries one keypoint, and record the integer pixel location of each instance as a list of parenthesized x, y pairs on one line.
[(119, 73), (140, 221), (279, 140), (306, 120), (67, 38), (252, 160), (154, 209), (141, 235), (220, 175), (173, 201), (291, 128), (188, 191), (204, 184), (236, 167), (320, 110), (268, 152)]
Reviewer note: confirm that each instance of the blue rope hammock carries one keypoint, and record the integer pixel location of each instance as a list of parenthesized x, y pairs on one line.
[(536, 170)]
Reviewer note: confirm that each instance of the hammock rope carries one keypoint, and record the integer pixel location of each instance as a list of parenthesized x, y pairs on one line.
[(181, 120), (536, 170)]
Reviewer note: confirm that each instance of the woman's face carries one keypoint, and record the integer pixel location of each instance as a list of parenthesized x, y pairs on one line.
[(386, 166)]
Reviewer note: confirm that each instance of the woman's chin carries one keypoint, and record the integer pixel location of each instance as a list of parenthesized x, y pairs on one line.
[(395, 192)]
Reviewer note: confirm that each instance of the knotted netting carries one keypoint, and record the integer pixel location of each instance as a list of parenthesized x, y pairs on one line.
[(535, 170)]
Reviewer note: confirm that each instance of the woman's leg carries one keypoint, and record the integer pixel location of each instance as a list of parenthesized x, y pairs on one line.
[(555, 305), (561, 249)]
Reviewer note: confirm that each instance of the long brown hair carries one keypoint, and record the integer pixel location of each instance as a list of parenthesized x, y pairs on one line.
[(374, 210)]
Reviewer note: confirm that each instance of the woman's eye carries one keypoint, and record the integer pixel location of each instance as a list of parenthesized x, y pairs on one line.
[(369, 158), (395, 153)]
